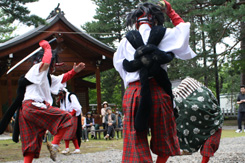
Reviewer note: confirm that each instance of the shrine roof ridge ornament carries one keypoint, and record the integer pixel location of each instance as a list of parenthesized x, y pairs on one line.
[(45, 29), (56, 11)]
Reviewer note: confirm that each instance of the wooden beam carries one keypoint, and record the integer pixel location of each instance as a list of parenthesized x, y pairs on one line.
[(9, 85), (86, 43), (1, 108), (98, 88), (80, 50), (87, 101), (26, 44), (73, 59), (91, 46)]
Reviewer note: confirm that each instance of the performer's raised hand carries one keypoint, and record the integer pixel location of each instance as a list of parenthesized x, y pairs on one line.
[(162, 4), (79, 67), (76, 69), (167, 6), (176, 19), (44, 44)]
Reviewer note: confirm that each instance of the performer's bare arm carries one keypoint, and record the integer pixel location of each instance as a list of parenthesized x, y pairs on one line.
[(44, 67), (79, 67), (76, 69)]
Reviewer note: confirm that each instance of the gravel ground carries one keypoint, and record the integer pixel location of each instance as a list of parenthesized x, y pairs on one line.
[(231, 150)]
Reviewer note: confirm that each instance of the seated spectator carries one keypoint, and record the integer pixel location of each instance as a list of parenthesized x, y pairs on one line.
[(90, 124), (47, 136), (84, 130), (13, 121), (110, 120), (118, 118), (103, 114)]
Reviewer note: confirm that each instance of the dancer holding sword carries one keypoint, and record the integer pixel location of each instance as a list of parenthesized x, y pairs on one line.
[(37, 113)]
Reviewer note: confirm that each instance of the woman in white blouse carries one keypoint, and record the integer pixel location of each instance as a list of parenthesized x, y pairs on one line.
[(103, 114)]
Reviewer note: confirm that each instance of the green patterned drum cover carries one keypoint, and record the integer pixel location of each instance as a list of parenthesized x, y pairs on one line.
[(199, 114)]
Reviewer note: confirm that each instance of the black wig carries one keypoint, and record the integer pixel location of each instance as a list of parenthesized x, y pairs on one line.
[(150, 10), (39, 55)]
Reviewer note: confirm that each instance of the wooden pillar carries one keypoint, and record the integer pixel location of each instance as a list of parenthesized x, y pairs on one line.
[(98, 89), (1, 109), (9, 85), (87, 102)]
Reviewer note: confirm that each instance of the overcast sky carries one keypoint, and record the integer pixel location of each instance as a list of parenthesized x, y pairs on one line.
[(76, 12)]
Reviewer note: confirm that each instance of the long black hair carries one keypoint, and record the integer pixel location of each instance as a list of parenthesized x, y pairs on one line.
[(39, 55), (150, 10)]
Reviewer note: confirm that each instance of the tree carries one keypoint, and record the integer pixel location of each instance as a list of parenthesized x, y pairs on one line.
[(110, 91), (15, 10), (224, 23), (111, 86), (11, 11), (6, 29), (212, 22), (109, 28)]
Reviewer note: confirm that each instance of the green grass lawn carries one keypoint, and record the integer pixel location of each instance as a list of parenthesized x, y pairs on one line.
[(231, 122), (11, 151), (231, 134)]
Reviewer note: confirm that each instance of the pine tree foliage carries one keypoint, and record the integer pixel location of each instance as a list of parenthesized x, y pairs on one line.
[(109, 28), (15, 10), (213, 21), (109, 23), (6, 29)]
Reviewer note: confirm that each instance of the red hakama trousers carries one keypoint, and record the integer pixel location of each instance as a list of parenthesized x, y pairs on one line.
[(70, 133), (211, 145), (34, 121), (164, 140)]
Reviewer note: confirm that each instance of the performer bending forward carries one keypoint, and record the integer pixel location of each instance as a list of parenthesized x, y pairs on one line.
[(200, 120), (37, 114), (164, 141)]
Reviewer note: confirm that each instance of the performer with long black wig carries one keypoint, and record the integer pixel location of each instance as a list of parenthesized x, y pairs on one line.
[(37, 114), (34, 105), (141, 60)]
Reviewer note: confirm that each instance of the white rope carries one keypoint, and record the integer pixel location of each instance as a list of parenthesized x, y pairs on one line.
[(60, 32)]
